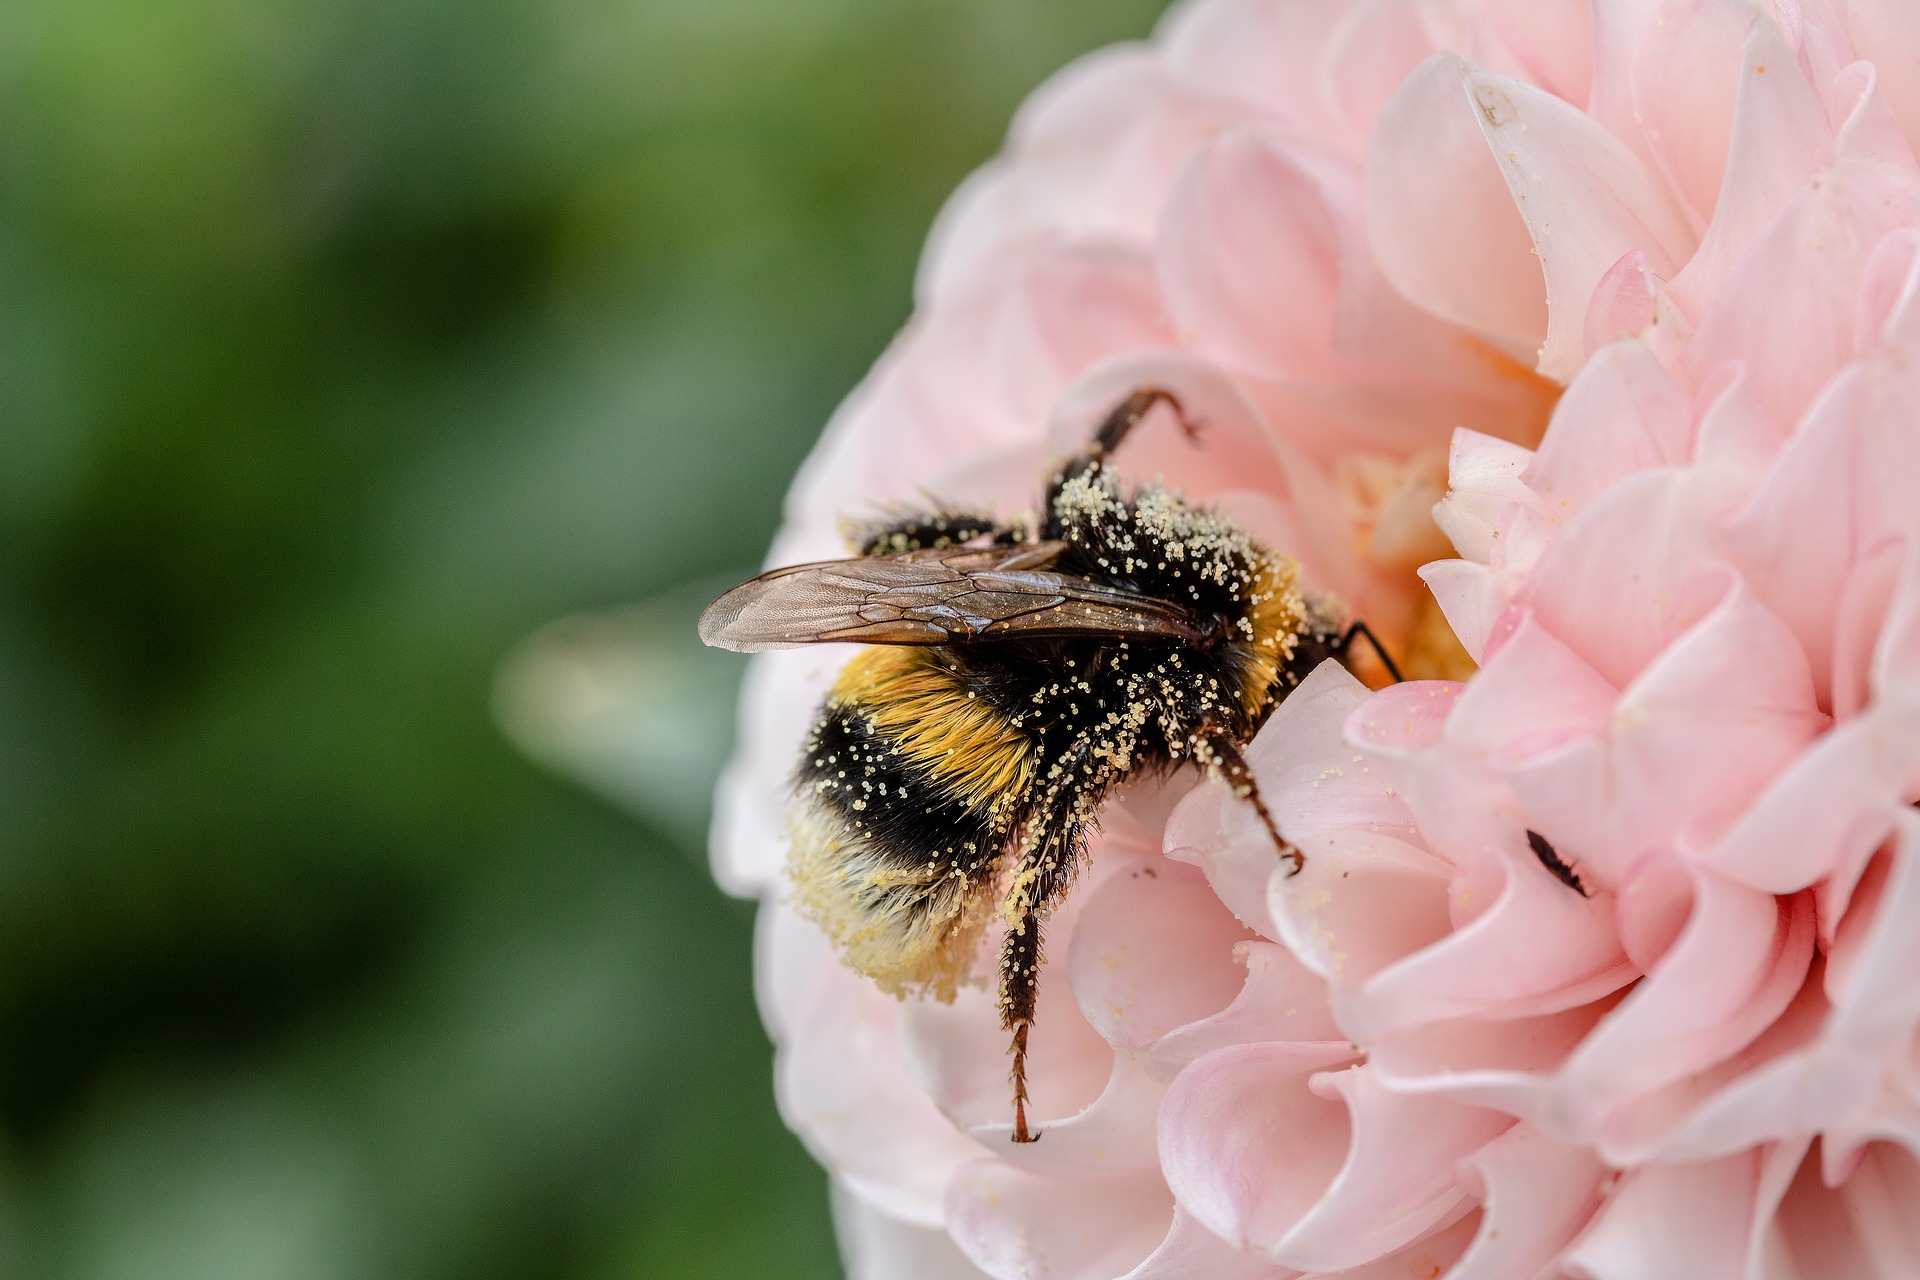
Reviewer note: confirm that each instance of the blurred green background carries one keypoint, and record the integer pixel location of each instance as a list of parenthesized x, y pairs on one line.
[(343, 344)]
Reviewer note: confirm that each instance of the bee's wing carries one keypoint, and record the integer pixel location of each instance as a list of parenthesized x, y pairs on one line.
[(933, 597)]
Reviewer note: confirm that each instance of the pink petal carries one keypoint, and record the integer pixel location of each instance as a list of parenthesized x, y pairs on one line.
[(1711, 722), (1696, 1221), (1237, 448), (1190, 1251), (1424, 1258), (1246, 1147), (1470, 596), (1828, 811), (1372, 50), (1361, 902), (959, 1054), (1017, 1225), (851, 1097), (1553, 40), (1673, 1222), (1813, 250), (1398, 1181), (1280, 1000), (1249, 256), (1483, 480), (1686, 74), (1091, 155), (1304, 792), (1262, 51), (1888, 31), (1734, 968), (1624, 413), (877, 1246), (1632, 570), (1773, 141), (1862, 1230), (1537, 949), (1535, 694), (1504, 1065), (1538, 1195), (1585, 198), (1441, 219), (1153, 950)]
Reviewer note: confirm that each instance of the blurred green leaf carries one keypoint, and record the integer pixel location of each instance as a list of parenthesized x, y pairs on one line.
[(345, 344)]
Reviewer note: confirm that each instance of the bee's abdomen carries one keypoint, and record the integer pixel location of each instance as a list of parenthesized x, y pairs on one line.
[(904, 799), (854, 775)]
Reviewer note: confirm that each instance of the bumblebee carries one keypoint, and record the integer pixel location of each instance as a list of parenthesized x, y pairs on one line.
[(1019, 672)]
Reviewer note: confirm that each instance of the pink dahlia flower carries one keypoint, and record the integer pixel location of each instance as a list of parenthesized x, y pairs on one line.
[(1577, 347)]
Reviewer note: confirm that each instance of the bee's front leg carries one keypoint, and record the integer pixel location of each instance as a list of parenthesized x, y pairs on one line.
[(1222, 758)]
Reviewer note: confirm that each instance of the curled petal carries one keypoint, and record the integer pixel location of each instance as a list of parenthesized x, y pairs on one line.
[(1153, 949), (878, 1246), (1440, 217), (1394, 1181), (1017, 1225), (1246, 1146), (1281, 1001), (853, 1098), (1774, 140), (1731, 972), (1538, 1195)]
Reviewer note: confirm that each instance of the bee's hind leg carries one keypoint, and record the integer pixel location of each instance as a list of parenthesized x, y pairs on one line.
[(1019, 993), (1042, 878), (1221, 755)]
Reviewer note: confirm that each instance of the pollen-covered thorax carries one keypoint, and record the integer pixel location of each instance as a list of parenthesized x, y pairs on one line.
[(1154, 542)]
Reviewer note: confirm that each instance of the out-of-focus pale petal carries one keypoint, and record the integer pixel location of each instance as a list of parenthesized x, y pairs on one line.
[(1553, 39), (1537, 1195), (1191, 1251), (1249, 257), (1686, 77), (1674, 1222), (878, 1246), (1265, 52), (1017, 1225), (1090, 155), (853, 1099), (1440, 217), (1584, 197), (1774, 139), (1888, 31), (1814, 251)]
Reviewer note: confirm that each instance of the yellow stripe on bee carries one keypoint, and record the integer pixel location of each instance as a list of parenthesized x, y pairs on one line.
[(922, 708), (1277, 615)]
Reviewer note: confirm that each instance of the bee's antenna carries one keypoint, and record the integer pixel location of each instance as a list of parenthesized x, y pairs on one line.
[(1362, 629)]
